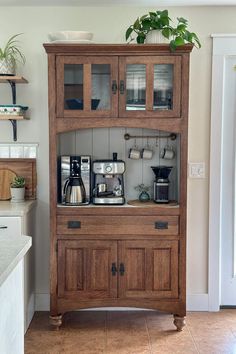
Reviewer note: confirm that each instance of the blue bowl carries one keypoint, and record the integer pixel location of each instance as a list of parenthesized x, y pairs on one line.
[(76, 103)]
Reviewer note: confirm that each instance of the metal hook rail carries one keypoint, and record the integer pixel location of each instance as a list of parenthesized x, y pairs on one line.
[(171, 136)]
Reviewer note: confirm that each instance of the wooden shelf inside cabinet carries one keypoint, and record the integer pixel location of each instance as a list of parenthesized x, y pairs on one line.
[(12, 81)]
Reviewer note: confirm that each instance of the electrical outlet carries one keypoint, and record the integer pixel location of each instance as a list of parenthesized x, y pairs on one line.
[(196, 169)]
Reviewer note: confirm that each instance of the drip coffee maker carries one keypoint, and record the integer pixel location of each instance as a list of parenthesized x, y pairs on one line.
[(161, 183)]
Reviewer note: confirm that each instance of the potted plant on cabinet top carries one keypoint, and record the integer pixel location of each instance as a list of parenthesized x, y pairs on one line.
[(150, 27), (10, 55), (143, 192), (18, 189)]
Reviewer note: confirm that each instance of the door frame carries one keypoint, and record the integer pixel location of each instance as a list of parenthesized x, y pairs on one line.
[(224, 45)]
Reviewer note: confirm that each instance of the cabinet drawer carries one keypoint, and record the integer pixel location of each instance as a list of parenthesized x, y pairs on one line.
[(138, 225), (10, 226)]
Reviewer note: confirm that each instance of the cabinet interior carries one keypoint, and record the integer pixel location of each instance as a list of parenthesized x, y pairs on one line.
[(100, 143)]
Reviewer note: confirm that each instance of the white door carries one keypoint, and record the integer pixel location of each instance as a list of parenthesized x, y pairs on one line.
[(228, 187)]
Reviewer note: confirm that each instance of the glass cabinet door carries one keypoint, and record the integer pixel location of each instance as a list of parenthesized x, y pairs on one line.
[(87, 86), (150, 87)]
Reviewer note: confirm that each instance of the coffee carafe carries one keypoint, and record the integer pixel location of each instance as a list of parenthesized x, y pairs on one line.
[(161, 184), (74, 190)]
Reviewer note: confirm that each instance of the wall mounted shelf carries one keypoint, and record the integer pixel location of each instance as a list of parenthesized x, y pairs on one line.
[(13, 80)]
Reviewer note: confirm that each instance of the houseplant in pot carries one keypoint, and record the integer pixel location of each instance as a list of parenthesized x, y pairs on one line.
[(143, 192), (18, 189), (10, 55), (157, 27)]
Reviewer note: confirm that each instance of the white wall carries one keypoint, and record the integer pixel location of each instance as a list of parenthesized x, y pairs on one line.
[(109, 25)]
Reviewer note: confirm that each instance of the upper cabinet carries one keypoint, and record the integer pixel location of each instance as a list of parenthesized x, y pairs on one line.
[(87, 86), (149, 86), (118, 86)]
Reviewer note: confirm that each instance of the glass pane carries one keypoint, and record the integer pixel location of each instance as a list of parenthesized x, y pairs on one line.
[(136, 87), (73, 86), (163, 87), (101, 90)]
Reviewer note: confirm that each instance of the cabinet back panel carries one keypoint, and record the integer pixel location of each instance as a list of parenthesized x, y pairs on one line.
[(101, 143)]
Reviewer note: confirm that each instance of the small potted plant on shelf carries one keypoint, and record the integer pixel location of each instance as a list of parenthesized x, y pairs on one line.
[(143, 192), (156, 27), (10, 55), (18, 189)]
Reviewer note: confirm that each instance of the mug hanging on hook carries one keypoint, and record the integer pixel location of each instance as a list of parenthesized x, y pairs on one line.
[(167, 152), (147, 152), (134, 152)]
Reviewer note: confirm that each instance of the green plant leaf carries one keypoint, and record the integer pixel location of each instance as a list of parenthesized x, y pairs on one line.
[(166, 32), (181, 27), (172, 45), (128, 32), (136, 24), (182, 20), (140, 38), (143, 17), (146, 25), (179, 41)]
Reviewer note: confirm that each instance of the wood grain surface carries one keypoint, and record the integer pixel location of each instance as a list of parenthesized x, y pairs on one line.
[(6, 177), (25, 168)]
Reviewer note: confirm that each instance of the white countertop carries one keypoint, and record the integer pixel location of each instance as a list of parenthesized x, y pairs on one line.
[(8, 208), (12, 250)]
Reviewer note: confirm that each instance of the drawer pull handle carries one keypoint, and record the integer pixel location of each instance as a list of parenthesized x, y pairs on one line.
[(113, 269), (122, 269), (161, 225), (114, 87), (74, 225), (3, 227)]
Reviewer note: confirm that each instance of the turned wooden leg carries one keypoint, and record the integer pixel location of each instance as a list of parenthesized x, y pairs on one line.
[(55, 322), (179, 322)]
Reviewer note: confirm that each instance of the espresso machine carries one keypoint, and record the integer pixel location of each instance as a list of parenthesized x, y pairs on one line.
[(161, 183), (74, 179), (108, 181)]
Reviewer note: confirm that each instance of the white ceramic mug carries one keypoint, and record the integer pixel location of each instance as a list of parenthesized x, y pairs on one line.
[(134, 154), (147, 154), (167, 153)]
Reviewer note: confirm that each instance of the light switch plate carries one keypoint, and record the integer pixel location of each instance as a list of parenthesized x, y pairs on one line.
[(196, 169)]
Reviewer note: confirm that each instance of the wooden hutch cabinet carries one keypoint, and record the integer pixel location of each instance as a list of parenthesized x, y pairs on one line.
[(119, 255)]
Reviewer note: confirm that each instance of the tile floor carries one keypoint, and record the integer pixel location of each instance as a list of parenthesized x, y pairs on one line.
[(133, 332)]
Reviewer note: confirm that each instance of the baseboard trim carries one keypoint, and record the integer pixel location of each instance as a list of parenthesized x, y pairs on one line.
[(195, 302)]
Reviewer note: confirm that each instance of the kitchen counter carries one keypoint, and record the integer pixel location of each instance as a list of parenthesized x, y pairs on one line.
[(7, 208), (12, 250)]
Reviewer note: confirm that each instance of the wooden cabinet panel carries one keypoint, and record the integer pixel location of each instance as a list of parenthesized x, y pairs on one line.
[(121, 225), (84, 269), (151, 269), (152, 86), (87, 86)]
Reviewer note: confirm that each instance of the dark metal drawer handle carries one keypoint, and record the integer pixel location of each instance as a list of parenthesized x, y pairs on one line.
[(161, 225), (113, 269), (122, 87), (114, 87), (74, 224), (3, 227), (122, 269)]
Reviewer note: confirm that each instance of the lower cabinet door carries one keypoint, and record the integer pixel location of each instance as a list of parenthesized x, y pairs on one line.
[(148, 269), (87, 269)]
